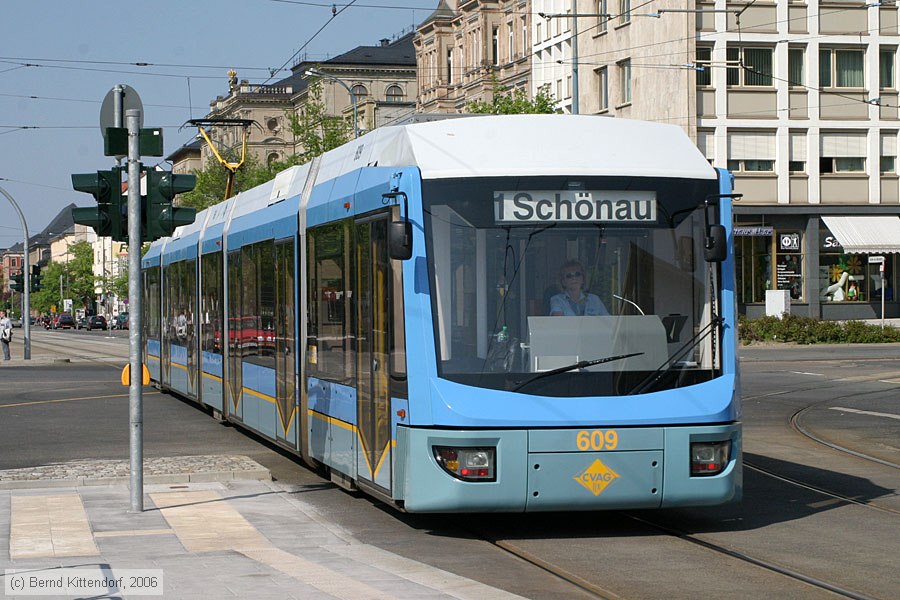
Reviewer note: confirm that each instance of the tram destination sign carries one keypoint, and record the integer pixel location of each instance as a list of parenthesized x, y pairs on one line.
[(575, 207)]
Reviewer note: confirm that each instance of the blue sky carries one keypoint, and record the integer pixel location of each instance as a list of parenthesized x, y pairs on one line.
[(58, 59)]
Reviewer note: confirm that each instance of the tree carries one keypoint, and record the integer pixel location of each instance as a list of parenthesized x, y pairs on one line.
[(515, 102), (314, 129)]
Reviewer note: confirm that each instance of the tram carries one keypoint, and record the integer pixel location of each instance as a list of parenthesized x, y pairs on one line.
[(388, 312)]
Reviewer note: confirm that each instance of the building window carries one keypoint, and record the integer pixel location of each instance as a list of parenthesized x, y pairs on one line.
[(624, 11), (272, 158), (888, 160), (751, 152), (886, 58), (797, 152), (537, 32), (510, 46), (568, 86), (749, 66), (359, 91), (625, 81), (495, 46), (796, 67), (602, 11), (842, 68), (603, 88), (702, 65), (843, 152), (394, 93), (524, 36)]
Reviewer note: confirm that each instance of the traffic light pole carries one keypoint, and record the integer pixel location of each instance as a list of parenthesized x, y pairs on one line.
[(135, 397), (26, 287)]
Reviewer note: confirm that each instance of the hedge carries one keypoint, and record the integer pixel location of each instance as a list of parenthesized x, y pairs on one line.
[(805, 330)]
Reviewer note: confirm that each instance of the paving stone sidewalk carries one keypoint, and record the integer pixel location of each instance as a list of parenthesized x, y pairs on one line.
[(173, 469)]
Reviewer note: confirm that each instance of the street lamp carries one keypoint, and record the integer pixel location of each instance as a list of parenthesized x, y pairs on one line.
[(313, 72)]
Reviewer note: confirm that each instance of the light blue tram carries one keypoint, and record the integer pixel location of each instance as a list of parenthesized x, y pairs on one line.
[(389, 312)]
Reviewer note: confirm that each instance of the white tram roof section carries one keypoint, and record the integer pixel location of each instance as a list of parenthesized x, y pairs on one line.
[(522, 145)]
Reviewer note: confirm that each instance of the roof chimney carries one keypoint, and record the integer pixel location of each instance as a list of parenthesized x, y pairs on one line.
[(385, 42)]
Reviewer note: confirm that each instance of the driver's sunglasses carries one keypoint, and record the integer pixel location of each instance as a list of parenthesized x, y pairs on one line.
[(574, 274)]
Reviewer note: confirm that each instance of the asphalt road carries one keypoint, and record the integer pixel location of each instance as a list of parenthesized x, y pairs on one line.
[(820, 516)]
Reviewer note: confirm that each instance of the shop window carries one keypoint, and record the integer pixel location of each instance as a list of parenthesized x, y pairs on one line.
[(789, 264), (753, 259), (850, 277)]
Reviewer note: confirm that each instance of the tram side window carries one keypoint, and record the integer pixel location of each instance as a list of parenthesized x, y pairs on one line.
[(249, 315), (266, 294), (210, 303), (330, 351), (257, 320), (151, 302)]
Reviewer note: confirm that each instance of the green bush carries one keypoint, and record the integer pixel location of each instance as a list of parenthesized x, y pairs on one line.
[(805, 330)]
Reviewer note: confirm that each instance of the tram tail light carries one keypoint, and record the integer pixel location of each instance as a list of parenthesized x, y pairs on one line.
[(468, 464), (709, 458)]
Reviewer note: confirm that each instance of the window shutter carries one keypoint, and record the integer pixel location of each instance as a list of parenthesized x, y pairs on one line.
[(844, 145), (756, 145), (798, 147), (706, 142), (888, 144)]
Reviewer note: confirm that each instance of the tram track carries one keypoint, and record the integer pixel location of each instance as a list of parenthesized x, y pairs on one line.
[(766, 565)]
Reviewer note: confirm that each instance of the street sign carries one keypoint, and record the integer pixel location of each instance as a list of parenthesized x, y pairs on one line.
[(876, 260), (108, 113)]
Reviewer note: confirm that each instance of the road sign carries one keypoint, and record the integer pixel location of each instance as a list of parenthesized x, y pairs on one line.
[(110, 117), (876, 260)]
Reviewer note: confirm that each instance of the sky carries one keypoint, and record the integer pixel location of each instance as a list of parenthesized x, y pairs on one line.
[(59, 58)]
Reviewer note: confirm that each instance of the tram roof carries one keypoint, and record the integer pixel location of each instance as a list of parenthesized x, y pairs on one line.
[(521, 145)]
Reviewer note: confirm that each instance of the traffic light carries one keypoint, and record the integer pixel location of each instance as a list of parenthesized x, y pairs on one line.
[(17, 282), (161, 216), (36, 279), (107, 219)]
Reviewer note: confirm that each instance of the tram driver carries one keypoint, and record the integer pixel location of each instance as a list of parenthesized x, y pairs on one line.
[(573, 300)]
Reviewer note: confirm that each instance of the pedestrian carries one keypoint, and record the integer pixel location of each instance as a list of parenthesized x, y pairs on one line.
[(5, 333)]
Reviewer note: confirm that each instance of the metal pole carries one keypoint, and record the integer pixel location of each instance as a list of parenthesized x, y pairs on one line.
[(574, 57), (26, 282), (883, 292), (135, 408)]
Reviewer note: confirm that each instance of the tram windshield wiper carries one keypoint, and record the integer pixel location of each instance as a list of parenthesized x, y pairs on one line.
[(579, 365), (667, 366)]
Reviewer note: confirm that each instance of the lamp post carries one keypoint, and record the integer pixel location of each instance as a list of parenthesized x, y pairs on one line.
[(26, 286), (313, 72)]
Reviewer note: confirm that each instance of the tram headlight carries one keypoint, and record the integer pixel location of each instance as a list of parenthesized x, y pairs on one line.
[(709, 458), (468, 464)]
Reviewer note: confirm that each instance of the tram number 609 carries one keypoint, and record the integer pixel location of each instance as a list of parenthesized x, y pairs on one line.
[(597, 439)]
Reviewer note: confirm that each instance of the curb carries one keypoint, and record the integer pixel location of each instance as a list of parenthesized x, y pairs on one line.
[(200, 477)]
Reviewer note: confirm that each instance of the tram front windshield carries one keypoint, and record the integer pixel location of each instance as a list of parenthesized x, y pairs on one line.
[(571, 287)]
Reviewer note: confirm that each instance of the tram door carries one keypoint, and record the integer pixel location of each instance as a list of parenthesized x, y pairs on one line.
[(285, 349), (373, 301)]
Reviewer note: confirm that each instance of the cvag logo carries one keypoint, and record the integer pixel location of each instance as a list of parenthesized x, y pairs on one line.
[(596, 477)]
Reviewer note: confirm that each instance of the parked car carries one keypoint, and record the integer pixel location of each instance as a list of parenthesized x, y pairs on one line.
[(81, 323), (64, 321), (96, 322), (121, 321)]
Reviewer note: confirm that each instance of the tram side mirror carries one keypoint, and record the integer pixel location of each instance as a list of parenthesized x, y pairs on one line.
[(715, 248), (400, 244)]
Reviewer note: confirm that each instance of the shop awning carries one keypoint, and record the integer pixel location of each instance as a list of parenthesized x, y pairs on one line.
[(866, 235)]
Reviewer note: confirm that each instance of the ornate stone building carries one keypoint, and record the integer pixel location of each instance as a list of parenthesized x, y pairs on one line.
[(463, 47)]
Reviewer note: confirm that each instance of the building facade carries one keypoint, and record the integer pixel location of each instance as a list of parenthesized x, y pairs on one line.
[(465, 49), (381, 78), (799, 101)]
